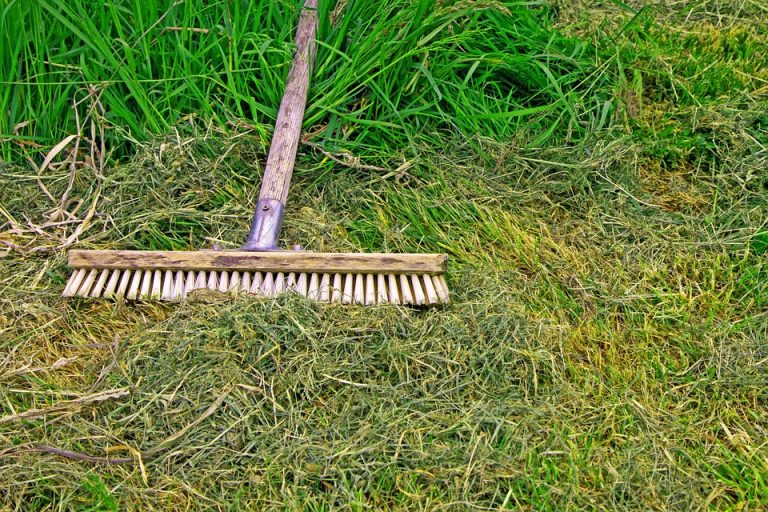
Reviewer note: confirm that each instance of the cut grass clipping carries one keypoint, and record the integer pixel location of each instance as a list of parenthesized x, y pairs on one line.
[(605, 345)]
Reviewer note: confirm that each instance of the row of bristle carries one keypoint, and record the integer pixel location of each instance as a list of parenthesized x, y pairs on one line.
[(416, 289)]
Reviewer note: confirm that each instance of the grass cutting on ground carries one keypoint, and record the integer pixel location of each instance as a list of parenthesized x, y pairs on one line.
[(597, 173)]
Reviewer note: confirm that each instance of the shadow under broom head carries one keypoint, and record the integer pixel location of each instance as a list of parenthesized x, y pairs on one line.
[(260, 267)]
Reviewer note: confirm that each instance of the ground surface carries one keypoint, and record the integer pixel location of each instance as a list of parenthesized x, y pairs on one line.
[(606, 343)]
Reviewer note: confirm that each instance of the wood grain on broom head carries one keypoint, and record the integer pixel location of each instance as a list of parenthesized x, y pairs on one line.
[(296, 261)]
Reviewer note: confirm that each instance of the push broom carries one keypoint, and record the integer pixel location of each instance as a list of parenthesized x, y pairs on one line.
[(260, 267)]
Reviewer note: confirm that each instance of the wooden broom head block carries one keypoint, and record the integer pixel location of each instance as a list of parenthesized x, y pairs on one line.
[(244, 261)]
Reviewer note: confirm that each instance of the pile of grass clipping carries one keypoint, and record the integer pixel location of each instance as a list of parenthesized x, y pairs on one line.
[(604, 349), (598, 351)]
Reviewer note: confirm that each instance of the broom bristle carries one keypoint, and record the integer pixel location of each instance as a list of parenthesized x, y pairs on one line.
[(350, 288)]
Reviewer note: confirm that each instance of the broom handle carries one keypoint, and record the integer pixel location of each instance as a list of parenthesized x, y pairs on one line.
[(270, 208)]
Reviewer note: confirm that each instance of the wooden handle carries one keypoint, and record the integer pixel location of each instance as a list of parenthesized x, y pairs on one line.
[(285, 140)]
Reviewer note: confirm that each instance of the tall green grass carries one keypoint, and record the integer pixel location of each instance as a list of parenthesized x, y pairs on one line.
[(384, 71)]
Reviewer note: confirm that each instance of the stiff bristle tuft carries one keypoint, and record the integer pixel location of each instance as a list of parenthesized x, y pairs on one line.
[(336, 288), (114, 280)]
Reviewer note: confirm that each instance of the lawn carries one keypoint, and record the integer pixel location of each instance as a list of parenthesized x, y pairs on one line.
[(596, 171)]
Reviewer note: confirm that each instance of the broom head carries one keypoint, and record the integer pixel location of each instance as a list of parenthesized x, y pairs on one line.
[(343, 278)]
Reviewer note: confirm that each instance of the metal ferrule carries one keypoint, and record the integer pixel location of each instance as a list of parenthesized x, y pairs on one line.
[(265, 228)]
